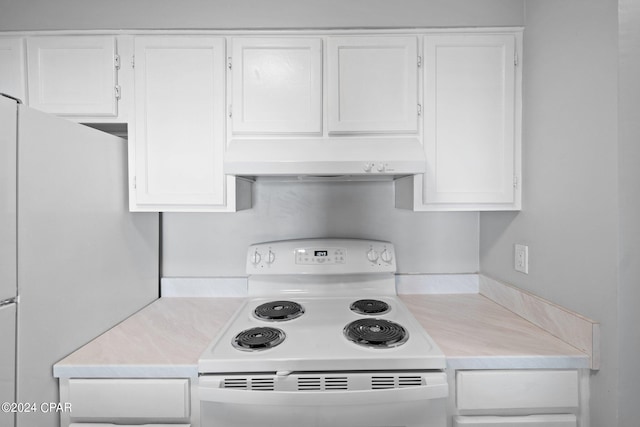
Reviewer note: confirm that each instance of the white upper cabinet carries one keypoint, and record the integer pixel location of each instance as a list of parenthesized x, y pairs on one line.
[(12, 70), (472, 98), (372, 84), (73, 75), (276, 85), (178, 144)]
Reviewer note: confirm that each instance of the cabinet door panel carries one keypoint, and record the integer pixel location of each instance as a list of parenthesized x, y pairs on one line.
[(12, 72), (372, 84), (179, 109), (277, 85), (469, 118), (73, 75)]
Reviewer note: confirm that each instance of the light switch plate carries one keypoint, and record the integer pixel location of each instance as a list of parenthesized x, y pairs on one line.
[(521, 259)]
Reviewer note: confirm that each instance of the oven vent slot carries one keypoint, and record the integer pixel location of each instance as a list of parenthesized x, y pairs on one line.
[(409, 381), (249, 383), (383, 382), (322, 383)]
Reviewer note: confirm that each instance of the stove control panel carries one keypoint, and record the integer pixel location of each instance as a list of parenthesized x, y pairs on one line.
[(321, 256)]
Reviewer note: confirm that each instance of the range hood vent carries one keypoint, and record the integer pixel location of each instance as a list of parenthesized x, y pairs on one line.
[(360, 158)]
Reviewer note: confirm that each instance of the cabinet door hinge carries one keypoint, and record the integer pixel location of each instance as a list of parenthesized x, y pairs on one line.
[(133, 61), (229, 63), (515, 181), (135, 182), (419, 61), (230, 111), (419, 109), (116, 61), (117, 92), (515, 58)]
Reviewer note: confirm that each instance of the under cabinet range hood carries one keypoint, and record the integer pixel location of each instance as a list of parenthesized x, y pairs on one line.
[(356, 158)]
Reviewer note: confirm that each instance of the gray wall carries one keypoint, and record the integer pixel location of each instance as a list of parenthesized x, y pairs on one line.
[(117, 14), (216, 244), (570, 207), (629, 191)]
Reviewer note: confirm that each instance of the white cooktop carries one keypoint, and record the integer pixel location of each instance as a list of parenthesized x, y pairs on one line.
[(325, 277), (315, 341)]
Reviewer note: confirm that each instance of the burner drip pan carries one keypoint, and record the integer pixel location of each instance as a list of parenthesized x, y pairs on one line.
[(376, 333), (370, 306), (256, 339), (278, 310)]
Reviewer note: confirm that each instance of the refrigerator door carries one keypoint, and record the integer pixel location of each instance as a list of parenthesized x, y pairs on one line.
[(8, 134), (85, 263), (7, 361)]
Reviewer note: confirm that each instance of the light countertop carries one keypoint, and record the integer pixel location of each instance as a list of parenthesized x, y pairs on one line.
[(166, 338)]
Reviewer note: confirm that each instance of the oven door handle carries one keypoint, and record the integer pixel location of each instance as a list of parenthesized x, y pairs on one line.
[(318, 398)]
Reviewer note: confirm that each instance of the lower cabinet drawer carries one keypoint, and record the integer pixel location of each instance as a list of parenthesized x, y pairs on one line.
[(129, 399), (517, 389), (562, 420)]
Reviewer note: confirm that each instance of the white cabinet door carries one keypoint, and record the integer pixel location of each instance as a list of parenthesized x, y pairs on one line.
[(177, 151), (470, 119), (472, 99), (372, 84), (12, 71), (73, 75), (276, 86)]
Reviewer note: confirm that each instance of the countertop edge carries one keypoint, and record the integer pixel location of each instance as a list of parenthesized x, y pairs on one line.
[(125, 371), (518, 362)]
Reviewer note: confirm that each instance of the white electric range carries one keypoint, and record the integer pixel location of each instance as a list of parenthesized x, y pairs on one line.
[(323, 340)]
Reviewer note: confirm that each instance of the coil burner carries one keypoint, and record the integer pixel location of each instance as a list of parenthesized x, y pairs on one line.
[(278, 311), (370, 306), (256, 339), (376, 333)]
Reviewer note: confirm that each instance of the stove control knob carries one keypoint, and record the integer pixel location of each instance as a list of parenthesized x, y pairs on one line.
[(271, 257), (386, 256), (256, 258), (372, 255), (368, 167)]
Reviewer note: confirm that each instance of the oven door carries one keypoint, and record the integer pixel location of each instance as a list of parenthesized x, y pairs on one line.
[(412, 406)]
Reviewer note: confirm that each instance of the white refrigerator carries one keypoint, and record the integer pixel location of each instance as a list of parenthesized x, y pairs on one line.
[(74, 261)]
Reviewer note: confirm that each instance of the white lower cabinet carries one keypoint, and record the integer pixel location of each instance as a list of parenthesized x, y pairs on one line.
[(515, 398), (126, 401)]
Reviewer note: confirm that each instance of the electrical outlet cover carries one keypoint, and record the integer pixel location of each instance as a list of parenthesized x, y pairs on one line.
[(521, 259)]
